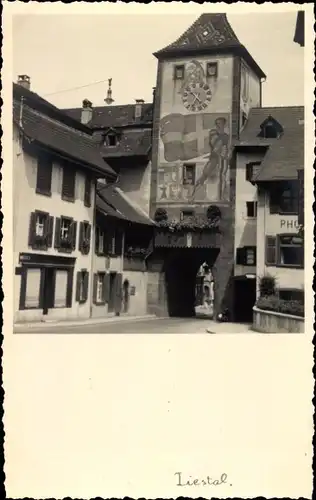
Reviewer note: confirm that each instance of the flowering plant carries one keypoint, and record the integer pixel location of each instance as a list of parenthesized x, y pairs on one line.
[(136, 252), (189, 225)]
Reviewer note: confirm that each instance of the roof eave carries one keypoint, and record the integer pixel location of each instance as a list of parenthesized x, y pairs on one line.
[(235, 49)]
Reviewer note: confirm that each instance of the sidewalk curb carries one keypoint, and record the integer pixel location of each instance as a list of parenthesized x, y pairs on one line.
[(23, 327)]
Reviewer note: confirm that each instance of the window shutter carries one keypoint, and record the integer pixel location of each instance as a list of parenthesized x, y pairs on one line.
[(73, 234), (95, 284), (78, 286), (104, 291), (108, 242), (44, 174), (50, 228), (118, 293), (118, 242), (271, 250), (57, 232), (240, 257), (107, 287), (87, 191), (81, 236), (86, 285), (274, 202), (89, 237), (97, 234), (69, 182), (32, 229)]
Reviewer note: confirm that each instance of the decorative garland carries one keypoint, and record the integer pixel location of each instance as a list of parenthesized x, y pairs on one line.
[(194, 225)]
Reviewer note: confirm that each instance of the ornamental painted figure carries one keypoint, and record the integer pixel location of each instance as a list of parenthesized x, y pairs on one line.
[(217, 166)]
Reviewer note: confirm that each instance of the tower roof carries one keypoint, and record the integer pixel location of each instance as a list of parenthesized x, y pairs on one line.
[(210, 33)]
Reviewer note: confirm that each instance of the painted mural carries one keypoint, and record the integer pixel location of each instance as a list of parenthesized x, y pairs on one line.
[(197, 151)]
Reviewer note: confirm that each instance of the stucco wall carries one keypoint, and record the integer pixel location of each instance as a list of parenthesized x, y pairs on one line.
[(245, 228), (272, 322), (26, 200), (272, 224), (137, 302)]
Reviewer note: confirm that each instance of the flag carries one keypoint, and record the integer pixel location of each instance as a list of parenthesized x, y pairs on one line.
[(186, 137)]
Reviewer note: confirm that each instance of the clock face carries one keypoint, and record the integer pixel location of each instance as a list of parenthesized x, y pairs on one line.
[(196, 96)]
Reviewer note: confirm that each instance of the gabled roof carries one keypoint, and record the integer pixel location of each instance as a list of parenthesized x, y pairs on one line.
[(115, 116), (113, 202), (46, 125), (285, 155), (211, 34)]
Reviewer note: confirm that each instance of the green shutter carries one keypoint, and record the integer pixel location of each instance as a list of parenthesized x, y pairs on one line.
[(88, 238), (96, 249), (73, 234), (81, 236), (78, 286), (271, 250), (57, 233), (107, 287), (118, 293), (32, 228), (86, 285), (50, 228), (240, 256), (95, 284)]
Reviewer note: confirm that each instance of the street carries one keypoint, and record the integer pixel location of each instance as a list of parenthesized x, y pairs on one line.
[(159, 325)]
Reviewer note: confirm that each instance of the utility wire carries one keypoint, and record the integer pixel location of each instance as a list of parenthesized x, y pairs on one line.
[(75, 88)]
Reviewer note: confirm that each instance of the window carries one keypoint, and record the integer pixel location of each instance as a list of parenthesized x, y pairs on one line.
[(187, 216), (32, 293), (40, 230), (44, 174), (291, 251), (61, 283), (100, 287), (246, 256), (111, 140), (65, 234), (99, 241), (84, 237), (69, 184), (188, 174), (269, 131), (251, 209), (292, 294), (87, 190), (250, 170), (285, 250), (179, 72), (211, 69), (82, 286), (284, 197)]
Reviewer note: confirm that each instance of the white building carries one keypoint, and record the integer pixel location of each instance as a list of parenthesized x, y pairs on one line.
[(55, 168)]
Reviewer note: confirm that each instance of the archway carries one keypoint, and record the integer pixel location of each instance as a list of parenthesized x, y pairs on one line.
[(181, 268)]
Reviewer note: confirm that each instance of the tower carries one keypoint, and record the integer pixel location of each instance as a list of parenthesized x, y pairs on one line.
[(206, 83)]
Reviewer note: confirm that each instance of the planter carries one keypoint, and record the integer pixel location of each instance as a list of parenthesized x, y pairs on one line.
[(275, 322)]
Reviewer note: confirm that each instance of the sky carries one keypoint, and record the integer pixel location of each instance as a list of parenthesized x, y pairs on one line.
[(61, 52)]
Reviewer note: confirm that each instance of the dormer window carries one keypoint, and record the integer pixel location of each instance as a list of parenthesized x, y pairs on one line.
[(270, 129), (211, 69), (111, 140)]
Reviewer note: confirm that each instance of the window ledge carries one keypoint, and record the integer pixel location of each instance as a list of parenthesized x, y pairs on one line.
[(68, 198), (100, 303), (43, 193)]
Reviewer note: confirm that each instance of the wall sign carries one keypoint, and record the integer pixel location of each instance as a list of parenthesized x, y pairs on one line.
[(132, 290), (289, 224)]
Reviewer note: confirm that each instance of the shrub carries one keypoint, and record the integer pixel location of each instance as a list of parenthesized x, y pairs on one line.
[(273, 303), (267, 285), (161, 215)]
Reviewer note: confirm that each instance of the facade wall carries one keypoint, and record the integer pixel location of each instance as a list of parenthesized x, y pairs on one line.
[(250, 91), (26, 200), (183, 132), (137, 280), (273, 224), (245, 227)]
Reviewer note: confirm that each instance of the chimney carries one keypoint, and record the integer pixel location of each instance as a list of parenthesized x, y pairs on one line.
[(138, 108), (86, 112), (24, 81)]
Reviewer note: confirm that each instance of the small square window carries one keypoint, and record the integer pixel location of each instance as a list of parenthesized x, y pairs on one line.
[(179, 72), (189, 174), (40, 224), (250, 256), (211, 69), (251, 209)]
